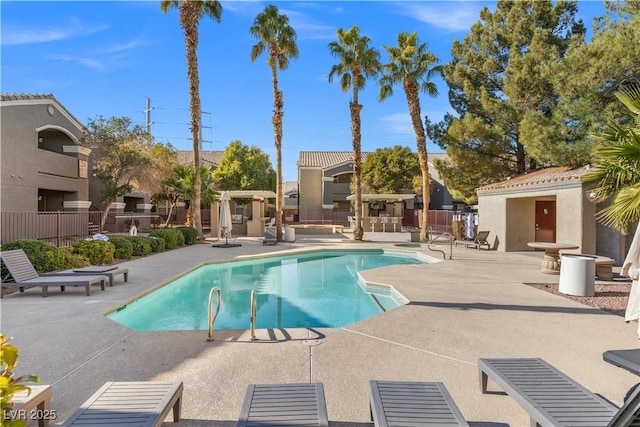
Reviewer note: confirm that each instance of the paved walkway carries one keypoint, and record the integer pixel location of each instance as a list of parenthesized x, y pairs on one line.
[(475, 305)]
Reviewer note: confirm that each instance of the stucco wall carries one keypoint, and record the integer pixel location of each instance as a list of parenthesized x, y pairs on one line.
[(492, 217), (510, 216), (25, 168), (310, 195)]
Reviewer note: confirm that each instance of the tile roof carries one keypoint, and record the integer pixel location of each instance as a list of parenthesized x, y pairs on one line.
[(325, 159), (553, 175), (25, 96), (8, 97), (290, 187), (211, 157)]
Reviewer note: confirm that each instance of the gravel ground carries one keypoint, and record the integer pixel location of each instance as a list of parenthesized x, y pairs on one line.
[(611, 298)]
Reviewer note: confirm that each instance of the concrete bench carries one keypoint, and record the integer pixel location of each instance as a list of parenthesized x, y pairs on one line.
[(604, 268)]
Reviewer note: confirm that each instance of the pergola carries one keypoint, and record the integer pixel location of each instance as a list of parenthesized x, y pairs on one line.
[(255, 226), (394, 217)]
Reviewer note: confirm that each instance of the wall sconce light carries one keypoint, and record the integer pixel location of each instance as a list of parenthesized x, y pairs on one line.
[(39, 198), (40, 139)]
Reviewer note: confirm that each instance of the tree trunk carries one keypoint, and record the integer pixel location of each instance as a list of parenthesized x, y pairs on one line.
[(189, 15), (278, 105), (105, 215), (411, 90), (356, 136)]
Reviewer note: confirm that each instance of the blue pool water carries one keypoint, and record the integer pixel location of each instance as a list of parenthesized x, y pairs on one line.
[(319, 289)]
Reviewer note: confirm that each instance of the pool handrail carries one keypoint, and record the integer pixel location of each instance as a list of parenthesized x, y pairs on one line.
[(253, 315), (449, 237), (212, 316)]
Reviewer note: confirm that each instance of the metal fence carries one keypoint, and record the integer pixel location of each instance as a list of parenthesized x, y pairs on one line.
[(59, 228), (440, 221), (63, 228)]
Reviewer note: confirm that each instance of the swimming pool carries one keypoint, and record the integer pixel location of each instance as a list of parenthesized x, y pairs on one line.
[(317, 289)]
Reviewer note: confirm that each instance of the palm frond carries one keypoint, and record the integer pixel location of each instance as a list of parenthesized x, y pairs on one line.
[(630, 97), (623, 210)]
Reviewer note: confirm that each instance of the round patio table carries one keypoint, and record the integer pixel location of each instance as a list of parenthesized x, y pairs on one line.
[(551, 259)]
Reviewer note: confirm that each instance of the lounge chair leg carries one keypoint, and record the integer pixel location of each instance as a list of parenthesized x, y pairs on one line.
[(88, 290), (483, 382), (102, 285), (126, 276), (176, 410), (45, 291)]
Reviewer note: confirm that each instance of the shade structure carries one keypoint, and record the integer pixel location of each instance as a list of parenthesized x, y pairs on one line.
[(224, 224), (631, 268)]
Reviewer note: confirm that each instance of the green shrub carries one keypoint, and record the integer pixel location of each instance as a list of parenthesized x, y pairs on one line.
[(179, 236), (173, 238), (70, 260), (190, 234), (43, 255), (98, 252), (141, 245), (123, 247), (157, 244)]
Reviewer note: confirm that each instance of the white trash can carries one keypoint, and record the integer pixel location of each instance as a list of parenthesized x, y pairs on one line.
[(289, 234), (577, 275)]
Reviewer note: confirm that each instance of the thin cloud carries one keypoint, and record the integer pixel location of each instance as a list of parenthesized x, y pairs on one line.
[(399, 123), (123, 47), (451, 16), (251, 8), (306, 28), (87, 62), (13, 35)]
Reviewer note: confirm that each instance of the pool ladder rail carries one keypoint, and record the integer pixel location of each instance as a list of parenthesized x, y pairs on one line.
[(212, 315), (443, 236), (253, 315)]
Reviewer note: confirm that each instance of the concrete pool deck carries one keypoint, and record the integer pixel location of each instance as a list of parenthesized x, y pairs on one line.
[(475, 305)]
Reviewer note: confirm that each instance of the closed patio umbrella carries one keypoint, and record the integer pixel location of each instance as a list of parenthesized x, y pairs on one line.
[(631, 268), (224, 224)]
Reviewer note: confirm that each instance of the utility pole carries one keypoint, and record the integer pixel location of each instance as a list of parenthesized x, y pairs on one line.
[(202, 126), (147, 113)]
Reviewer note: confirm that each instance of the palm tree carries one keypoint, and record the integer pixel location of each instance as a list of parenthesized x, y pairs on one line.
[(190, 14), (273, 32), (358, 62), (617, 167), (181, 185), (409, 64)]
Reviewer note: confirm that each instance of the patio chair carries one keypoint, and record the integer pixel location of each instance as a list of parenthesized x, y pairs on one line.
[(142, 403), (284, 404), (25, 276), (551, 398), (270, 236), (404, 403), (479, 241)]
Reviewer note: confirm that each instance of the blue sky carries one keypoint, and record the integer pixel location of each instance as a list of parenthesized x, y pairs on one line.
[(103, 58)]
